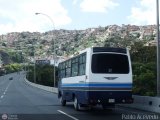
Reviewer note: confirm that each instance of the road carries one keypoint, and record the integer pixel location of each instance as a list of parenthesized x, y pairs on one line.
[(20, 101)]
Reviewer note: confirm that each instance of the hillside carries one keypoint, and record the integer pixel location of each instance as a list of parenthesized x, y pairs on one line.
[(67, 42)]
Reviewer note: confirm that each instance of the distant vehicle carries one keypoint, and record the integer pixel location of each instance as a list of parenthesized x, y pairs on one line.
[(11, 78), (97, 75)]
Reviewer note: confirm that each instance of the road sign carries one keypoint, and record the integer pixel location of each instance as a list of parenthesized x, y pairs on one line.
[(43, 62)]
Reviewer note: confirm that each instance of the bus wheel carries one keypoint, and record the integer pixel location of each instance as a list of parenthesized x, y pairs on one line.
[(76, 104), (62, 101)]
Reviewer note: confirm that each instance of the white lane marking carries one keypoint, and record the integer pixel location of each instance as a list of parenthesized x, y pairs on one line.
[(2, 96), (7, 87), (67, 115)]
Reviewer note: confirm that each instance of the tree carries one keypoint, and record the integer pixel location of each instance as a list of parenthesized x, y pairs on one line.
[(13, 68), (113, 41), (44, 74), (144, 69), (144, 78), (143, 54)]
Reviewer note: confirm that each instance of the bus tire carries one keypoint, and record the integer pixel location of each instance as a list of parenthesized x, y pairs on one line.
[(62, 101), (76, 104)]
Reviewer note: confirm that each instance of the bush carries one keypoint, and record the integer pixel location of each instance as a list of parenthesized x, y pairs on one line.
[(15, 67), (44, 74), (144, 79)]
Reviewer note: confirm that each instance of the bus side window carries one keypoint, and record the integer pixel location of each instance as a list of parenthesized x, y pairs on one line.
[(68, 68), (63, 72), (74, 68), (82, 64)]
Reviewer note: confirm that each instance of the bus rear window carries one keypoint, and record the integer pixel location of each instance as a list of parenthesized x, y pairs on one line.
[(110, 63)]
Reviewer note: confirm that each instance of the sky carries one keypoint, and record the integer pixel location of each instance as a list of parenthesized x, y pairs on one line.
[(19, 15)]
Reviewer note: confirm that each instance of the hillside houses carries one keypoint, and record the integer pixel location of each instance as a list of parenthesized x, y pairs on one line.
[(67, 42)]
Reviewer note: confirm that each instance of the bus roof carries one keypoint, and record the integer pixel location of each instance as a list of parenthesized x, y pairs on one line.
[(98, 49)]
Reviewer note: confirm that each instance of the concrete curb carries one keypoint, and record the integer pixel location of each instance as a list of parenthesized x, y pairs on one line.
[(46, 88), (146, 103)]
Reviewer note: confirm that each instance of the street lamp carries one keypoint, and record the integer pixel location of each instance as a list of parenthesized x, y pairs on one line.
[(52, 39)]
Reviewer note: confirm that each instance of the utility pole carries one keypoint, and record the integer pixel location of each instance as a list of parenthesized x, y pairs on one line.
[(158, 51), (34, 65)]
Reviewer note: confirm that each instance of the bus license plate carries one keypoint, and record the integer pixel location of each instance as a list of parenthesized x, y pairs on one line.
[(111, 100)]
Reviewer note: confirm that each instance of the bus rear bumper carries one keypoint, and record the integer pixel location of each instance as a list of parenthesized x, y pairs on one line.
[(110, 97)]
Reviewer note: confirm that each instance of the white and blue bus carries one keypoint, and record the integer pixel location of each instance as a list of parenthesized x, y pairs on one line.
[(97, 75)]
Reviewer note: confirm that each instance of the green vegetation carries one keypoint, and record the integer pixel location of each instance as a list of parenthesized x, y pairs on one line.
[(16, 57), (15, 67), (144, 79), (144, 69), (44, 74)]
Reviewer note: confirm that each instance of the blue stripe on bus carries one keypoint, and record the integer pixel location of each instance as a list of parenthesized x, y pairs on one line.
[(128, 85)]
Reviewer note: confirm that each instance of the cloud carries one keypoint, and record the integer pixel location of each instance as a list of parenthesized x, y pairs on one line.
[(97, 5), (74, 2), (144, 13), (19, 15)]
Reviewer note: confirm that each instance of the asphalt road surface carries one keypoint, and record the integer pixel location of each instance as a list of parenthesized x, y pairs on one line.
[(20, 101)]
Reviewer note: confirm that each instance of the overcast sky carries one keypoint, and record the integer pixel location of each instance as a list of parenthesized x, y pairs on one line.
[(19, 15)]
